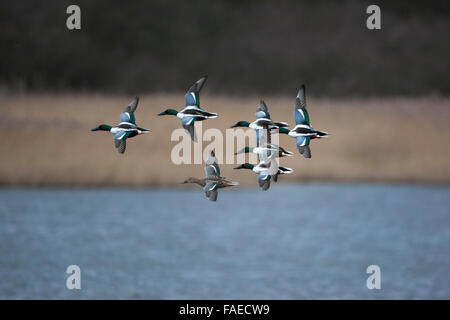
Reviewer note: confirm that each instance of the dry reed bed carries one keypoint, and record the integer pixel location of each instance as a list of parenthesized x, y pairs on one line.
[(46, 140)]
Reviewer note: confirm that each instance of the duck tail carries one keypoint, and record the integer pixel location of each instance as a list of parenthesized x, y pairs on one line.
[(321, 134), (211, 115), (285, 169), (144, 130)]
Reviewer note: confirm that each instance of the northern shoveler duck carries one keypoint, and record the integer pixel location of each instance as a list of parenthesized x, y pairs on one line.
[(263, 125), (265, 150), (265, 171), (213, 181), (270, 149), (127, 127), (192, 112), (303, 131), (262, 121)]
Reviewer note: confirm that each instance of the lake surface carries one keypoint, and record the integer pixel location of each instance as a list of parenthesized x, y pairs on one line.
[(310, 241)]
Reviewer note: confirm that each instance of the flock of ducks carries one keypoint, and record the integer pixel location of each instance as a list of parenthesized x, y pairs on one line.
[(268, 153)]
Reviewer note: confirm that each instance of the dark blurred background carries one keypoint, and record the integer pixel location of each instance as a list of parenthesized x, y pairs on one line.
[(250, 47)]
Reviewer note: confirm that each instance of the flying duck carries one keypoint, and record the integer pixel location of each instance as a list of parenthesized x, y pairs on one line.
[(265, 149), (265, 171), (262, 121), (303, 131), (192, 112), (213, 181), (263, 125), (127, 127)]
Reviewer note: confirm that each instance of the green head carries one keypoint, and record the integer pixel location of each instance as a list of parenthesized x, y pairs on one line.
[(245, 166), (168, 111), (241, 124), (102, 127), (245, 150)]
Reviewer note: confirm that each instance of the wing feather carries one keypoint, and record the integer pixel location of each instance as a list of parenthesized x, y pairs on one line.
[(264, 181), (193, 94), (303, 146), (121, 145), (211, 190), (300, 113), (132, 106), (188, 125), (262, 111)]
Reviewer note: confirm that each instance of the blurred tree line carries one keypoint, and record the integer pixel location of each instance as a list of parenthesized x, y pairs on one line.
[(247, 47)]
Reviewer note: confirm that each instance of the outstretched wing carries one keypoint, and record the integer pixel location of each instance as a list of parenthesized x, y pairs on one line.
[(120, 141), (188, 125), (127, 117), (264, 181), (211, 167), (300, 113), (128, 114), (272, 166), (132, 106), (275, 177), (303, 146), (262, 111), (193, 94), (211, 190)]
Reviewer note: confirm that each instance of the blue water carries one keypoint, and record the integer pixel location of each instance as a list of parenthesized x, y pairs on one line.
[(308, 241)]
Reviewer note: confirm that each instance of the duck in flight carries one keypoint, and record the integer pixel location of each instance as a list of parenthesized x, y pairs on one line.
[(263, 125), (270, 149), (192, 112), (303, 132), (262, 121), (127, 127), (266, 170), (213, 181)]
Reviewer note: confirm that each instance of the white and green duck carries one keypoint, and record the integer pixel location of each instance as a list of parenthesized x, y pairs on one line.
[(127, 127), (267, 149), (266, 170), (263, 120), (192, 112), (303, 132)]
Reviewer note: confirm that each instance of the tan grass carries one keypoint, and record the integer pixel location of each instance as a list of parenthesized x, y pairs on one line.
[(46, 140)]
